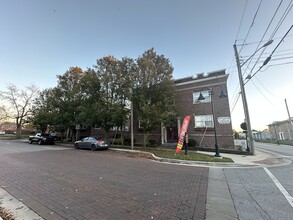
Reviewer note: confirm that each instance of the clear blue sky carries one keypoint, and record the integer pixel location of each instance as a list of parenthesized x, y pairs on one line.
[(42, 38)]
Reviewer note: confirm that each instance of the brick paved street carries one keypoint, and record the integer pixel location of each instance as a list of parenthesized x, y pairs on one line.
[(80, 184)]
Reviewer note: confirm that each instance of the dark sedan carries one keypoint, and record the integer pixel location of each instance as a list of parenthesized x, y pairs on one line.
[(92, 143)]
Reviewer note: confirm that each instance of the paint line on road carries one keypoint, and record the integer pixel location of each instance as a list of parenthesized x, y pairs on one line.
[(279, 185)]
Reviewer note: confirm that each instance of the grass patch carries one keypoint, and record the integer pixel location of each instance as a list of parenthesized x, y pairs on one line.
[(192, 156), (170, 154), (285, 142), (13, 136)]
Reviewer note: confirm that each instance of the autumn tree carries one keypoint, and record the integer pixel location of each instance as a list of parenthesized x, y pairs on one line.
[(45, 114), (91, 99), (115, 82), (19, 103), (67, 96), (154, 93)]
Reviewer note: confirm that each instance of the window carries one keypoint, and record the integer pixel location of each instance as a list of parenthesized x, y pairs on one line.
[(139, 124), (98, 127), (205, 94), (203, 121)]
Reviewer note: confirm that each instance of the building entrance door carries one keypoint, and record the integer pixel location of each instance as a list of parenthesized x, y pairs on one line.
[(172, 134)]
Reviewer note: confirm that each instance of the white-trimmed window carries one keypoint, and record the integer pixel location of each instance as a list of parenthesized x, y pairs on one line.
[(98, 127), (139, 124), (206, 95), (203, 121)]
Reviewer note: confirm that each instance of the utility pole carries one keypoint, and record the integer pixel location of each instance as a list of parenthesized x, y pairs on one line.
[(290, 120), (131, 125), (244, 101)]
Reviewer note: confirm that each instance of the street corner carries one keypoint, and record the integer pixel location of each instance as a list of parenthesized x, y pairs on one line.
[(15, 208)]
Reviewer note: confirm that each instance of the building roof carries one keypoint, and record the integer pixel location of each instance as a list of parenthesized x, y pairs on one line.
[(280, 122), (201, 76)]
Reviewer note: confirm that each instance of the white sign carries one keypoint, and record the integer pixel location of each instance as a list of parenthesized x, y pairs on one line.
[(224, 120)]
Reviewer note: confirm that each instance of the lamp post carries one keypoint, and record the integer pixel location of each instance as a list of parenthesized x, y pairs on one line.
[(243, 94), (222, 95)]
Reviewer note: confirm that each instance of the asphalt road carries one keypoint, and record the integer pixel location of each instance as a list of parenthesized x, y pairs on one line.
[(263, 193), (61, 183)]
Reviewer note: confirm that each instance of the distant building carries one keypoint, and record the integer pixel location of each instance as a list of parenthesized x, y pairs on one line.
[(261, 135), (282, 130)]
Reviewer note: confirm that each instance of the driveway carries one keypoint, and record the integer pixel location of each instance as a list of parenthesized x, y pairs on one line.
[(79, 184)]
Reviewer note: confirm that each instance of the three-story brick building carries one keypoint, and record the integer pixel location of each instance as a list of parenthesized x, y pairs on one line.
[(210, 115)]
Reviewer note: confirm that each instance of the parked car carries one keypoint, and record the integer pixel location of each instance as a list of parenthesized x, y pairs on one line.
[(92, 143), (41, 138)]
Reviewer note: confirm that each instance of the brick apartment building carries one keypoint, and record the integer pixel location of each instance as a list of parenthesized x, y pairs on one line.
[(201, 127)]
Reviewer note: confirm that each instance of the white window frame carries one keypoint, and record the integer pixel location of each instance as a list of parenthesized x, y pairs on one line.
[(206, 95), (203, 121)]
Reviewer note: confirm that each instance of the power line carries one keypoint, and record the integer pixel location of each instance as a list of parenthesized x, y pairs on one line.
[(279, 64), (282, 18), (269, 57), (261, 93), (265, 33), (241, 21), (235, 102), (252, 23), (264, 86)]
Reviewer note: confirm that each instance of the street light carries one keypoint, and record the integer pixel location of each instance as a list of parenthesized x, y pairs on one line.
[(201, 98), (243, 95)]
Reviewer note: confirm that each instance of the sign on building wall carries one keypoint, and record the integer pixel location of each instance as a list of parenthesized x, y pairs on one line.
[(224, 120)]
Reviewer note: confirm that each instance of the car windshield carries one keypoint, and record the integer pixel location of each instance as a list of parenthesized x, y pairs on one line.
[(45, 135)]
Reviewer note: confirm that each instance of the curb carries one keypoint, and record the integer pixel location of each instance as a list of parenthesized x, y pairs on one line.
[(148, 155), (16, 207)]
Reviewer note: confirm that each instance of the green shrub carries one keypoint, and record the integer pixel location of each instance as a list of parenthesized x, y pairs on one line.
[(191, 142)]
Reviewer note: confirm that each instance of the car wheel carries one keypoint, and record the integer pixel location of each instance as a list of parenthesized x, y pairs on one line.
[(30, 141), (76, 146), (40, 142), (93, 147)]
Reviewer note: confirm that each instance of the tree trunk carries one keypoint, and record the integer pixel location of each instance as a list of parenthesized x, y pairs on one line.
[(18, 130), (145, 138)]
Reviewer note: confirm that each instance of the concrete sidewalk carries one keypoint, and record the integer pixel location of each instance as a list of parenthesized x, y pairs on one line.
[(261, 158)]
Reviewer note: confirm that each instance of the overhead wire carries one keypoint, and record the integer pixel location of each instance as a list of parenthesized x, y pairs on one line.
[(288, 9), (241, 20), (261, 93), (252, 23), (264, 35), (270, 56), (285, 14), (279, 64), (234, 97), (235, 103), (238, 31)]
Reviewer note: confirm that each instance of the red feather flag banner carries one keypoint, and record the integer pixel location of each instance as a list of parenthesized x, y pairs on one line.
[(182, 133)]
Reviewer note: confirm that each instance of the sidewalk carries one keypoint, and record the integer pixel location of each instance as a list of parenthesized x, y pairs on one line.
[(261, 158)]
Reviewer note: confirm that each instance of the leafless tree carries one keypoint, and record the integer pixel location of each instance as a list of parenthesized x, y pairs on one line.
[(3, 114), (18, 103)]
